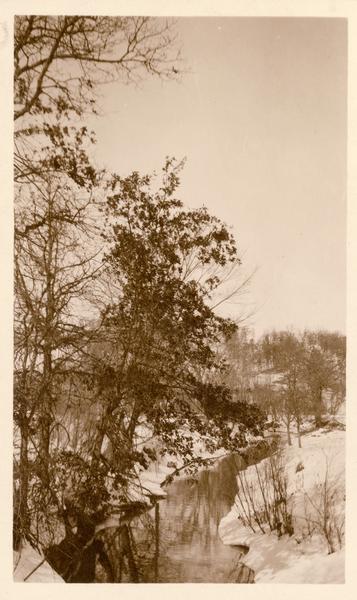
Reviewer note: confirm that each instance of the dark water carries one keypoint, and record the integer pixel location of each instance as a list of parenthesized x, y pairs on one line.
[(186, 545)]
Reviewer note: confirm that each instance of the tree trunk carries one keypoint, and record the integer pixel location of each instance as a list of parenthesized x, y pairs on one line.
[(318, 408), (46, 416), (288, 431), (45, 409), (21, 523), (298, 430), (21, 517), (102, 429), (157, 540)]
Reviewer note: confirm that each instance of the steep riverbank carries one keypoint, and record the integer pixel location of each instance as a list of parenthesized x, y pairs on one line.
[(315, 491)]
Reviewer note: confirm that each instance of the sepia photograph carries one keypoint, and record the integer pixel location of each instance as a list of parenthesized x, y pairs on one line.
[(179, 304)]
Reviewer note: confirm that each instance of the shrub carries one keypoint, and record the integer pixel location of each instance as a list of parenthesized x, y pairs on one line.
[(262, 499), (323, 512)]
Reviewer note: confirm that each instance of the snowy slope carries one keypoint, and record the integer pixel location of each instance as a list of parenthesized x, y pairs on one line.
[(300, 558)]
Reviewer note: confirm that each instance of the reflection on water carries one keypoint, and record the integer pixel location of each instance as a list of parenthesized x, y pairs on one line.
[(188, 545)]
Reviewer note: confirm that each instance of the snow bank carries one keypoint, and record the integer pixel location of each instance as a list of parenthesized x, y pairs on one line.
[(313, 568), (299, 558), (26, 560)]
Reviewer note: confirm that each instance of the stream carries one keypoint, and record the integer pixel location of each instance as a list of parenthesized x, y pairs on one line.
[(187, 545)]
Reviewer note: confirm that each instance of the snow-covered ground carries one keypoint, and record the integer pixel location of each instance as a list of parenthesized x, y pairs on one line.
[(26, 562), (317, 467)]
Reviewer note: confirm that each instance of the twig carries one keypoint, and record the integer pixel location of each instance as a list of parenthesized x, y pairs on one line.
[(35, 569)]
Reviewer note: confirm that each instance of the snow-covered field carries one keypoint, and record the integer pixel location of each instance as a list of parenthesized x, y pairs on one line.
[(314, 472)]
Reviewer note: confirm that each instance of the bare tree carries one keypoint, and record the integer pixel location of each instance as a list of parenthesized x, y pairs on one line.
[(59, 60), (284, 352), (51, 273)]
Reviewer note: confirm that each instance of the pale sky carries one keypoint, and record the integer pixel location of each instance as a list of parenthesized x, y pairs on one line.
[(261, 118)]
